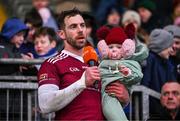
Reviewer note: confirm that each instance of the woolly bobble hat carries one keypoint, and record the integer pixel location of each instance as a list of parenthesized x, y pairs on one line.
[(102, 32), (148, 4), (131, 15), (160, 40), (173, 29), (116, 36), (130, 30)]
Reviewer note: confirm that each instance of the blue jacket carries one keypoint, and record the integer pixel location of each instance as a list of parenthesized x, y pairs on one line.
[(157, 72)]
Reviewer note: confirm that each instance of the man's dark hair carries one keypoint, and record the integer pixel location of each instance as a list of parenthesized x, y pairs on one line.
[(68, 13), (170, 81), (43, 31), (33, 18)]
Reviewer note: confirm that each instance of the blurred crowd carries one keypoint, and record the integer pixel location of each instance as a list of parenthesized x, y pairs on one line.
[(155, 30)]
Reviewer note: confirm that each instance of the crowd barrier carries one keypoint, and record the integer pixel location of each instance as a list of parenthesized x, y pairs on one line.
[(19, 97)]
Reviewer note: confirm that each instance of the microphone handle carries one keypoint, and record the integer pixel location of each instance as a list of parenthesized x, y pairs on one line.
[(96, 84), (93, 63)]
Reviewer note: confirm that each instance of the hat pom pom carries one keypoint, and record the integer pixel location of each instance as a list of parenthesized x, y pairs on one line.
[(130, 31), (102, 32)]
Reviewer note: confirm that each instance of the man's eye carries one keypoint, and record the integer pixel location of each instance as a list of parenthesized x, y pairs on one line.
[(176, 93), (73, 26), (166, 94), (83, 25)]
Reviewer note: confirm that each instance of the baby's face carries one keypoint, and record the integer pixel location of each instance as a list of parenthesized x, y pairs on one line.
[(115, 51)]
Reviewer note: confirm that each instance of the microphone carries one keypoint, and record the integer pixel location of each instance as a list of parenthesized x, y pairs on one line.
[(90, 57)]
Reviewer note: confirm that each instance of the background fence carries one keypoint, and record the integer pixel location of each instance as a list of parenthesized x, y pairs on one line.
[(19, 97)]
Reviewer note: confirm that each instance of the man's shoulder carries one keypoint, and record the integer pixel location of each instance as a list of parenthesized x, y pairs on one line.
[(57, 58)]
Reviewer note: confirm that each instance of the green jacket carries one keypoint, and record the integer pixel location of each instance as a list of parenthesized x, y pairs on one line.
[(112, 108)]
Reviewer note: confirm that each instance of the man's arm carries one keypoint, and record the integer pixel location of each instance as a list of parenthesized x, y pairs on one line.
[(119, 91), (51, 98)]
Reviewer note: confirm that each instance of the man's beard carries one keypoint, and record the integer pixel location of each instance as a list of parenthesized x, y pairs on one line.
[(74, 44)]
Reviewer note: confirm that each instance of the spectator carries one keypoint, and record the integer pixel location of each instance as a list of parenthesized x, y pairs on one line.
[(175, 58), (113, 16), (12, 36), (45, 39), (116, 66), (170, 102), (131, 16), (41, 7), (90, 28), (65, 81), (150, 19), (33, 21), (103, 8), (158, 68), (141, 51)]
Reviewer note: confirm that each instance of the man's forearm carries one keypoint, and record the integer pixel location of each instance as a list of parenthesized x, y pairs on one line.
[(52, 99)]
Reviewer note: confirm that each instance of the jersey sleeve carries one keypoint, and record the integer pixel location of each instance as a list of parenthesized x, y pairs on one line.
[(48, 74)]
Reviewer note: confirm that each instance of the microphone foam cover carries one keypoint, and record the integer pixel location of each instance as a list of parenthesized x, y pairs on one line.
[(89, 54)]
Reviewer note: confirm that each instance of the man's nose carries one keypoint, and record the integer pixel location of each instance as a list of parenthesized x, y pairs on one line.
[(170, 96), (80, 29), (22, 38)]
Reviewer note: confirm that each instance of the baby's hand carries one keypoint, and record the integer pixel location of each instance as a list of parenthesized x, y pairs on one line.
[(124, 70)]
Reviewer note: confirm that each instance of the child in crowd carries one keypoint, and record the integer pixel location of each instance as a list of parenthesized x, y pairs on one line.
[(12, 36), (115, 66), (175, 54), (158, 68), (44, 44)]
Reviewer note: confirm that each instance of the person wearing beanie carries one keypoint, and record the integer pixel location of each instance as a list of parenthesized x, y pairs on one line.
[(131, 16), (115, 51), (160, 40), (132, 19), (158, 69), (175, 54), (150, 17), (175, 30)]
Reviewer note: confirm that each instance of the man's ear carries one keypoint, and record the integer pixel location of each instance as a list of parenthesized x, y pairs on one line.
[(61, 34)]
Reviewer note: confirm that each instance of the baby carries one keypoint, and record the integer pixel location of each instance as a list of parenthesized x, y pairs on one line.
[(115, 51)]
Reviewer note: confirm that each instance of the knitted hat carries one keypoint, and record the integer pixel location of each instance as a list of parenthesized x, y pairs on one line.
[(131, 15), (11, 27), (175, 30), (116, 36), (160, 40), (102, 32), (148, 4), (130, 30)]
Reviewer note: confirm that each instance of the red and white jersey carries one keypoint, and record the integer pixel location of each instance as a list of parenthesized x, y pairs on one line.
[(63, 70)]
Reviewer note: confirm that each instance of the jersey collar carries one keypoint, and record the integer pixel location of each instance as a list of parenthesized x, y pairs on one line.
[(80, 58)]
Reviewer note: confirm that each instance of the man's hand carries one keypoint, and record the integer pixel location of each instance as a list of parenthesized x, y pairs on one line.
[(119, 91), (91, 75)]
